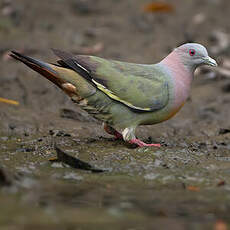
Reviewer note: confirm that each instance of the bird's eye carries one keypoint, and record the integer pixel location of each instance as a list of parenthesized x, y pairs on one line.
[(192, 52)]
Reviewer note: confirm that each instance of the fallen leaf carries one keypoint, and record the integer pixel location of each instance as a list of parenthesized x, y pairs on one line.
[(220, 225), (193, 188), (158, 7), (12, 102), (74, 162), (221, 183)]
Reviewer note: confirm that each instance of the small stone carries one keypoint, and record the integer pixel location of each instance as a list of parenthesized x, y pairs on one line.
[(72, 176), (57, 165), (4, 138), (224, 131), (151, 176)]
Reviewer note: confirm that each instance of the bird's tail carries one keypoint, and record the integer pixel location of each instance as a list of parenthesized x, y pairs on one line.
[(77, 87), (66, 79), (41, 67)]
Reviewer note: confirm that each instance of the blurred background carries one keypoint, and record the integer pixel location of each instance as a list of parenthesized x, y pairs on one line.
[(133, 31)]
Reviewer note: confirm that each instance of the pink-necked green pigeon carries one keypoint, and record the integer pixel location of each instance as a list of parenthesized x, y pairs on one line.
[(125, 95)]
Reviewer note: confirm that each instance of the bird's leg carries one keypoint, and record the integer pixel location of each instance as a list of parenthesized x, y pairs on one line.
[(110, 130), (142, 144), (129, 136)]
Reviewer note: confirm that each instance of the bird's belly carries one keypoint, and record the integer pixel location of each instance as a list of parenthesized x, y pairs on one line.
[(174, 105), (173, 112), (160, 116), (178, 97)]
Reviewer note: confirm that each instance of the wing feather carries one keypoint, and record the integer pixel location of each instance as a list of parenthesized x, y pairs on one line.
[(140, 87)]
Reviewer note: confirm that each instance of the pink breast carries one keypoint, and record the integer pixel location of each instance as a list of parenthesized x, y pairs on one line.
[(181, 77)]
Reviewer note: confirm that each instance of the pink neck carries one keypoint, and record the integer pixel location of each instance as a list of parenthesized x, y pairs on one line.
[(182, 77), (178, 69)]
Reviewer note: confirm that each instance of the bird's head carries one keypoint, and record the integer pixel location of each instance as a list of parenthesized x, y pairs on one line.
[(194, 55)]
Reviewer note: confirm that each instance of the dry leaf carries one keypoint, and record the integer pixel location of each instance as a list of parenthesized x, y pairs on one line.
[(221, 183), (12, 102), (158, 7), (220, 225), (193, 188), (73, 161)]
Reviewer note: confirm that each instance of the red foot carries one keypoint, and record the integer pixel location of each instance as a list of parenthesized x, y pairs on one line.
[(142, 144)]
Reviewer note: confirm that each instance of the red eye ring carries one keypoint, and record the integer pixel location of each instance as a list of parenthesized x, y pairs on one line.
[(192, 52)]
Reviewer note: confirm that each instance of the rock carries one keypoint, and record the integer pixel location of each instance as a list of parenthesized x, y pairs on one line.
[(226, 88), (224, 131), (4, 178)]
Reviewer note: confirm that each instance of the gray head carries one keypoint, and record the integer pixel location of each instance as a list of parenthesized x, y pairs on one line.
[(194, 54)]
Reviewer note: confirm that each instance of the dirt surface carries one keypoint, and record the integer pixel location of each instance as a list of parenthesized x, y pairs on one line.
[(182, 185)]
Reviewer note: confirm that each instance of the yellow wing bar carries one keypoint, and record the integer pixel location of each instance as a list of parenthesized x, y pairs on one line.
[(113, 96)]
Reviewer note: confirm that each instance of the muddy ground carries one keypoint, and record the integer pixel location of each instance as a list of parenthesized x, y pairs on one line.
[(182, 185)]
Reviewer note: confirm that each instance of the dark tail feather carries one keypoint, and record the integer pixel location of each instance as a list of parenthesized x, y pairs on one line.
[(38, 66)]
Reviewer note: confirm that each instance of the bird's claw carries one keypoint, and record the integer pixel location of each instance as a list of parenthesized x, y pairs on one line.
[(140, 143)]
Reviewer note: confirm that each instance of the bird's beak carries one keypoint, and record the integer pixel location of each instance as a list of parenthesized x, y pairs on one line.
[(210, 61)]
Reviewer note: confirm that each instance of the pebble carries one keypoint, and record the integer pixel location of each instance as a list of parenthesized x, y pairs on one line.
[(72, 176), (151, 176)]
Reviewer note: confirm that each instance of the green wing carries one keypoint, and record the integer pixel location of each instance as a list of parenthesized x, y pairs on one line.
[(140, 87)]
